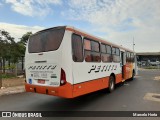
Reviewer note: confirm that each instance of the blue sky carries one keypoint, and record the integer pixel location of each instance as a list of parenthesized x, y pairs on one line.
[(115, 20), (53, 18)]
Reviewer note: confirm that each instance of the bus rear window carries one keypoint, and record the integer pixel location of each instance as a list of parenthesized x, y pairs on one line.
[(47, 40)]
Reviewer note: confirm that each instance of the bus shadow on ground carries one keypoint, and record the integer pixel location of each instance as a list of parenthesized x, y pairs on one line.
[(78, 103)]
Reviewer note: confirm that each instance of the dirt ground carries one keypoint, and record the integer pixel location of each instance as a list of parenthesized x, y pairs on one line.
[(157, 78), (13, 82)]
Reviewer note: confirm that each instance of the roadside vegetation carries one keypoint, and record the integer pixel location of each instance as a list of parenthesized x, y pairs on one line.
[(5, 76), (11, 51), (152, 67)]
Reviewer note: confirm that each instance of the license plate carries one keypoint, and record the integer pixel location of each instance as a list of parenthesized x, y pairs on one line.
[(41, 81)]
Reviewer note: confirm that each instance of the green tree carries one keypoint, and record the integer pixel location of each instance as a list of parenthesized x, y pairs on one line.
[(10, 50), (6, 46), (22, 45), (25, 37)]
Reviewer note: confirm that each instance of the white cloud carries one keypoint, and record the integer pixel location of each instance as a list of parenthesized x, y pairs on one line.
[(120, 20), (114, 12), (17, 31), (145, 40), (33, 7)]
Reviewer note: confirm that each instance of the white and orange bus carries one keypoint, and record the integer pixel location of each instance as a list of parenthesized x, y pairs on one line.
[(67, 62)]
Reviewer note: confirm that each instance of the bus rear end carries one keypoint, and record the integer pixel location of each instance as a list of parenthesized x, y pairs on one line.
[(43, 58)]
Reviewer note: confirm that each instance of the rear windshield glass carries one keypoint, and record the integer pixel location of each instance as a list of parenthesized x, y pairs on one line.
[(48, 40)]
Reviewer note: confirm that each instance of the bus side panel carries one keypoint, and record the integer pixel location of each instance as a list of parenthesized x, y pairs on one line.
[(118, 78), (90, 86), (67, 56), (131, 70), (90, 77), (128, 70), (93, 85), (86, 71), (124, 72)]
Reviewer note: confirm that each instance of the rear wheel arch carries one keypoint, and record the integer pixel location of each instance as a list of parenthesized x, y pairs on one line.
[(112, 74)]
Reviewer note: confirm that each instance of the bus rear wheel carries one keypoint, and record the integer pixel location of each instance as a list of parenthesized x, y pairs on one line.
[(111, 83), (133, 74)]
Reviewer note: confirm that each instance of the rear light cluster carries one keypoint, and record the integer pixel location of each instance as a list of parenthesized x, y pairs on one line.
[(63, 78)]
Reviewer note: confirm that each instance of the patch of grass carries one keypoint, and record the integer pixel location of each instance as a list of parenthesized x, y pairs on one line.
[(151, 67), (8, 76)]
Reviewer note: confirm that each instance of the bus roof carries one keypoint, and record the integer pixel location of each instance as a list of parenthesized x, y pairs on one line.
[(85, 34)]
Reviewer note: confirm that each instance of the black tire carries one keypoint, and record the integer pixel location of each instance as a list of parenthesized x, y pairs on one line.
[(133, 74), (111, 84)]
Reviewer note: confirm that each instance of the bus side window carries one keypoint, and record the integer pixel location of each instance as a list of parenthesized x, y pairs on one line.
[(91, 51), (127, 57), (113, 54), (95, 48), (77, 48), (87, 44), (105, 53), (133, 57), (116, 54), (113, 51), (109, 53), (87, 47)]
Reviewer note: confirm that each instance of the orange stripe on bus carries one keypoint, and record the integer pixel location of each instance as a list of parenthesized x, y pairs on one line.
[(71, 91), (90, 86), (118, 78), (128, 69), (61, 91), (93, 85)]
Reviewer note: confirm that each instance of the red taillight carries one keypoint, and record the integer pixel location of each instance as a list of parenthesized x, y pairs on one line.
[(63, 77)]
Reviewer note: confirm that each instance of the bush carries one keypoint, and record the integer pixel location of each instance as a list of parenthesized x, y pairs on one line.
[(12, 66)]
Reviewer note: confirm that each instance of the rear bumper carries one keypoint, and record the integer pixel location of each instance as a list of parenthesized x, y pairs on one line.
[(61, 91)]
